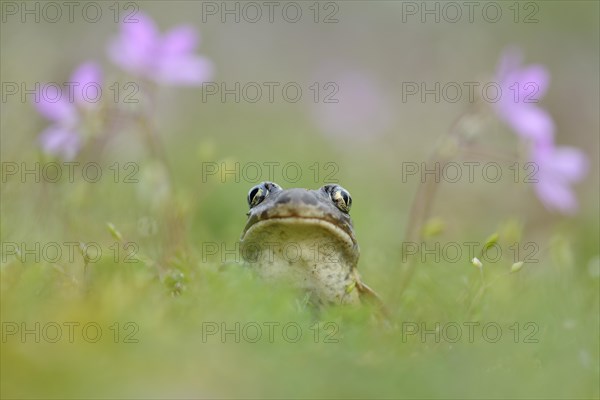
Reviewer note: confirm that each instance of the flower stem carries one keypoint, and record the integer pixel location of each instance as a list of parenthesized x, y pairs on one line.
[(445, 150)]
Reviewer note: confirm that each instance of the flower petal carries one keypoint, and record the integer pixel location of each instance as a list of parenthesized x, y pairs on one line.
[(567, 164), (529, 121), (184, 70), (532, 81), (361, 110), (556, 196), (179, 41), (61, 142), (571, 162), (522, 88), (53, 103), (558, 168), (86, 75), (134, 49)]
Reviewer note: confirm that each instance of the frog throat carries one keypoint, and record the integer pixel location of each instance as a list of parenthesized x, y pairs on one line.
[(335, 231)]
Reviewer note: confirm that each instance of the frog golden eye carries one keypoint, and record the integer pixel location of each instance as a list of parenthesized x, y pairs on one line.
[(256, 195), (259, 193), (340, 197)]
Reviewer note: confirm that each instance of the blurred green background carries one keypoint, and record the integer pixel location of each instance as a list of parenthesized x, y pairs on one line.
[(175, 290)]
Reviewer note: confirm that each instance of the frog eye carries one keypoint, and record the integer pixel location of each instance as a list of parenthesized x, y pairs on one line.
[(258, 193), (340, 197)]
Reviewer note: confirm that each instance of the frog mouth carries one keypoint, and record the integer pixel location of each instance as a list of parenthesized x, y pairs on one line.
[(293, 221)]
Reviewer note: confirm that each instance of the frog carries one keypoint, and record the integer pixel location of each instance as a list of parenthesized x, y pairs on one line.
[(305, 238)]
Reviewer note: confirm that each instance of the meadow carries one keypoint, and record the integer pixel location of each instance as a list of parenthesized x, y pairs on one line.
[(476, 211)]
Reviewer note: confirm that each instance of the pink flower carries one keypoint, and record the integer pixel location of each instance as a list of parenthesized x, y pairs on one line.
[(522, 87), (352, 106), (63, 138), (168, 59), (558, 167)]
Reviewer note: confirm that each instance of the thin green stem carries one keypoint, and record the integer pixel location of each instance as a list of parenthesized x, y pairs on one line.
[(423, 200)]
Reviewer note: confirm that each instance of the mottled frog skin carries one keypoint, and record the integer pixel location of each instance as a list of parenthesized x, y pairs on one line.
[(305, 238)]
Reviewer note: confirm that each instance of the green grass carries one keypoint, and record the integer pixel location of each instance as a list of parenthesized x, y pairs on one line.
[(172, 300), (169, 302)]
